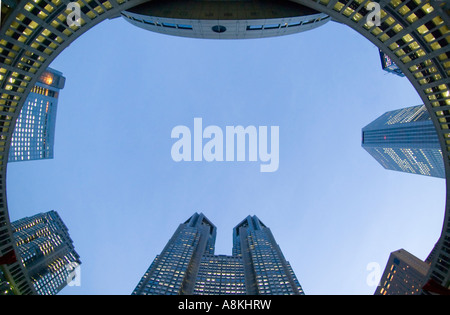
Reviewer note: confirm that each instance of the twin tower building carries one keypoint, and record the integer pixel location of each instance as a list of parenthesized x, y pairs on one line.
[(188, 265)]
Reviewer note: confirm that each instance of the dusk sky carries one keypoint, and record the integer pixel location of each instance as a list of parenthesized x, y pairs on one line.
[(331, 207)]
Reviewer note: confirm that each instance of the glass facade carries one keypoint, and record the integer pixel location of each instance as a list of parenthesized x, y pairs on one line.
[(405, 140), (34, 134), (188, 265), (171, 271), (220, 275), (46, 250), (388, 65), (271, 274)]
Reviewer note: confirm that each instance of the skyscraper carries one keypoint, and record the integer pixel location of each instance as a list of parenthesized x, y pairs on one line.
[(34, 134), (188, 265), (47, 251), (405, 140), (405, 274)]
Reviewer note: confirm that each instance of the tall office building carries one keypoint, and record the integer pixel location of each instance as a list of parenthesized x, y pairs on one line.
[(47, 251), (188, 265), (34, 134), (405, 140), (405, 274)]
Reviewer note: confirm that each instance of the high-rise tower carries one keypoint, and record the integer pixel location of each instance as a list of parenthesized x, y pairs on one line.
[(405, 274), (34, 134), (47, 251), (188, 265), (405, 140)]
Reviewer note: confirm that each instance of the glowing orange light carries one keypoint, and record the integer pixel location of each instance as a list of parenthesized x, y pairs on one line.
[(47, 78)]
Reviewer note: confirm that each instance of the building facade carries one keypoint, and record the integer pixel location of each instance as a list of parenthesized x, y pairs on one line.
[(213, 19), (389, 66), (5, 286), (405, 274), (47, 251), (188, 265), (34, 134), (405, 140)]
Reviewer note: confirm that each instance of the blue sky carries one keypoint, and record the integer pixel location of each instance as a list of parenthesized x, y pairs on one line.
[(331, 207)]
